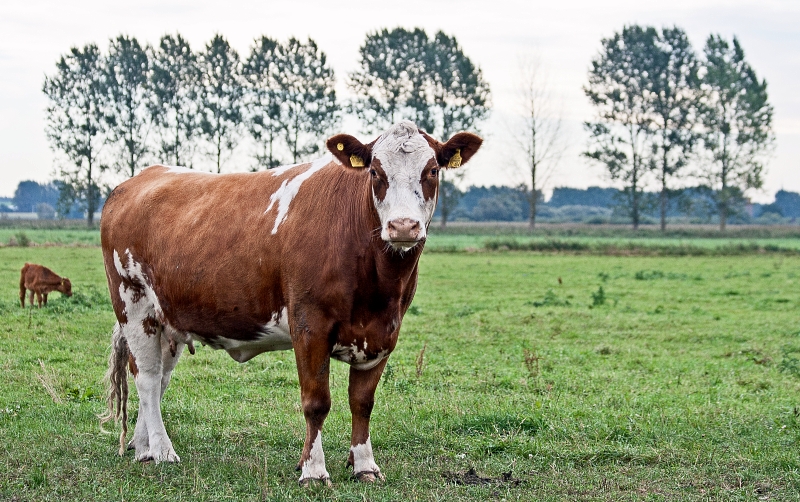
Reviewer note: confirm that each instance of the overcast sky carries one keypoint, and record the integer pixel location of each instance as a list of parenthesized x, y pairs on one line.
[(565, 34)]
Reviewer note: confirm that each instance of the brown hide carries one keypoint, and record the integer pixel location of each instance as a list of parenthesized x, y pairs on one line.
[(206, 244), (41, 281)]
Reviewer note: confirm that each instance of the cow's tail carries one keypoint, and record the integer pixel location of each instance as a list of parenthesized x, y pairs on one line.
[(117, 381)]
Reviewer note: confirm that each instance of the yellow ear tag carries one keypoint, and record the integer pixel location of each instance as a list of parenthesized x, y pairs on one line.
[(455, 160), (356, 161), (340, 147)]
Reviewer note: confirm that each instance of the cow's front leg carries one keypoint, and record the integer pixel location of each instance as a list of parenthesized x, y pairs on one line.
[(313, 368), (362, 398), (44, 295), (38, 299)]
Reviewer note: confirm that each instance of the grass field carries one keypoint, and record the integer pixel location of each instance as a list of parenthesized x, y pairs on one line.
[(679, 379)]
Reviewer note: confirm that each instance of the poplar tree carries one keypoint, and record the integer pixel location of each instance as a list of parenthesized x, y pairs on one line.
[(405, 74), (621, 136), (127, 71), (538, 134), (737, 124), (77, 101), (174, 94), (391, 66), (263, 100), (307, 96), (454, 96), (221, 96), (674, 97)]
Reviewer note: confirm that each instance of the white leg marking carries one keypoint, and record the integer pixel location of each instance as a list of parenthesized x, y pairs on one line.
[(363, 461), (314, 467), (147, 345)]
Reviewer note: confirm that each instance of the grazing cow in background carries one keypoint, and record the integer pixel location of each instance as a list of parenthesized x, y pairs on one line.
[(42, 281), (321, 258)]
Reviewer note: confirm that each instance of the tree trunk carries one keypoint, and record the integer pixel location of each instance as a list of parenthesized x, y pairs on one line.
[(90, 204), (663, 208), (532, 222), (445, 209), (219, 154), (635, 198)]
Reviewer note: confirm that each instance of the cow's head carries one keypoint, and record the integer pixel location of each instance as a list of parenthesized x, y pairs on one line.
[(65, 287), (403, 165)]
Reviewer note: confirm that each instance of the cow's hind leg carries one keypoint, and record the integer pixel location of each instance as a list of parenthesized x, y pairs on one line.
[(146, 349), (362, 398), (141, 439), (44, 295), (171, 350)]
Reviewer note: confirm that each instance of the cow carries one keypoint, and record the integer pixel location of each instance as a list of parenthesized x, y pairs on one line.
[(321, 258), (42, 281)]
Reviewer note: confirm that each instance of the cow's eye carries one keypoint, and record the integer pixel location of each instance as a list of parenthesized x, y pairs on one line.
[(434, 172), (373, 173)]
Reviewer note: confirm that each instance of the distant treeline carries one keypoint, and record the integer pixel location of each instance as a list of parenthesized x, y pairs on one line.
[(608, 205)]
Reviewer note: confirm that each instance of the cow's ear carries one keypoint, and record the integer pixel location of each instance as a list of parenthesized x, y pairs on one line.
[(350, 151), (458, 149)]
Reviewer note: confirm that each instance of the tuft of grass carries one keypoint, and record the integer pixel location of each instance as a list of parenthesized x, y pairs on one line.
[(551, 300), (22, 239), (599, 297)]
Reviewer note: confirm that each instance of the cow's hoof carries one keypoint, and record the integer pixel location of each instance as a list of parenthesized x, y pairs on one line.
[(369, 476), (164, 455), (306, 482)]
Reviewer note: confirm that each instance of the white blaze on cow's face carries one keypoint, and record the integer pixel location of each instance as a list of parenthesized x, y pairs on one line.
[(403, 165), (405, 184)]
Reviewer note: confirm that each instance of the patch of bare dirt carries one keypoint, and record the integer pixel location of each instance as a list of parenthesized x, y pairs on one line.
[(471, 477)]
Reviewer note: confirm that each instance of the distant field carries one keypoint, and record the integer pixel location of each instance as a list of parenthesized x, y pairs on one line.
[(584, 377), (597, 239)]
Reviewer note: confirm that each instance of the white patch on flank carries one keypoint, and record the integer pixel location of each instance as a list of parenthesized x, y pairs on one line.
[(356, 358), (286, 193), (133, 272), (282, 169), (314, 467), (275, 336), (403, 153), (363, 461), (141, 303)]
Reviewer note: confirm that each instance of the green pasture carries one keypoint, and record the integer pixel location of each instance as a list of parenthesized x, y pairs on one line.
[(518, 376)]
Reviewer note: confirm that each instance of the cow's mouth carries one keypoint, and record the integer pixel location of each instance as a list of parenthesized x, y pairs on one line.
[(405, 245)]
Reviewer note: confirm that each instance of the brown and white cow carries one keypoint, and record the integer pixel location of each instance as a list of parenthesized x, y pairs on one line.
[(42, 281), (320, 258)]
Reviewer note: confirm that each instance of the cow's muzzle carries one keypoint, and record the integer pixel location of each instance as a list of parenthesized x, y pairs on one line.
[(404, 232)]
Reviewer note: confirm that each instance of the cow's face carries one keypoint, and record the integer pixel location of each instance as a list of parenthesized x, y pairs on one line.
[(403, 165), (66, 287)]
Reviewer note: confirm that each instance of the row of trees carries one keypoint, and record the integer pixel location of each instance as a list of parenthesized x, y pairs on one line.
[(665, 113), (136, 104)]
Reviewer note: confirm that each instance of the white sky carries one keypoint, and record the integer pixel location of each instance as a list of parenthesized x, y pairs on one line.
[(565, 34)]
